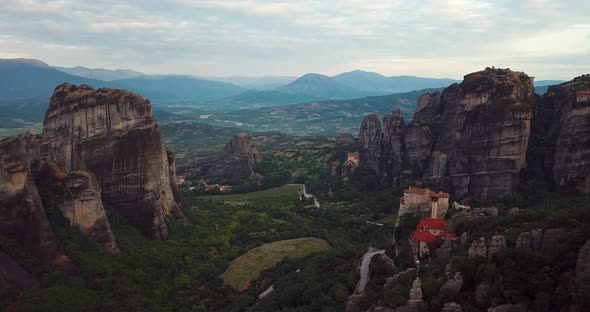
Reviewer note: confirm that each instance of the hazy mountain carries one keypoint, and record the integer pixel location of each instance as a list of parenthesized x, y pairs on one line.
[(542, 86), (323, 87), (541, 83), (328, 117), (100, 73), (177, 88), (374, 82), (27, 78), (260, 83)]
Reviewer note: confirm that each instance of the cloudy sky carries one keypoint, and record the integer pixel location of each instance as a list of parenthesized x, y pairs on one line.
[(547, 39)]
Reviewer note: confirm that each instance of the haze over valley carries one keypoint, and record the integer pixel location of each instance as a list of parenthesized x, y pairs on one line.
[(264, 156)]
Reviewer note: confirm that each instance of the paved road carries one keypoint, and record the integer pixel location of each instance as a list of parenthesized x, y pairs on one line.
[(364, 268)]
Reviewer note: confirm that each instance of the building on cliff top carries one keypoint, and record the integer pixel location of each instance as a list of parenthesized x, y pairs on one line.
[(424, 202), (353, 159), (583, 96), (427, 232)]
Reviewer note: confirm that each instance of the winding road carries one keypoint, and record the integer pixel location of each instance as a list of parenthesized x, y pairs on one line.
[(364, 268)]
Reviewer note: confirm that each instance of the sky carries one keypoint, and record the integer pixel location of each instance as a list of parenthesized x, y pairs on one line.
[(546, 39)]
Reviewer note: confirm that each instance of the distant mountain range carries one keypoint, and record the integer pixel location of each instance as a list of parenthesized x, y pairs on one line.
[(27, 84), (100, 73)]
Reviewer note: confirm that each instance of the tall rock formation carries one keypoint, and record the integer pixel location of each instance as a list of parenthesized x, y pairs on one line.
[(392, 148), (22, 217), (370, 142), (568, 105), (481, 132), (470, 139), (77, 196), (235, 163), (113, 135)]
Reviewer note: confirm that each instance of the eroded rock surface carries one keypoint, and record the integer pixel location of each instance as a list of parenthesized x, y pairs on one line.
[(235, 163), (478, 248), (22, 217), (113, 135)]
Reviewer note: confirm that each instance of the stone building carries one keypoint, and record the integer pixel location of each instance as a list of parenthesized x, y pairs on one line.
[(424, 202), (583, 96), (427, 232)]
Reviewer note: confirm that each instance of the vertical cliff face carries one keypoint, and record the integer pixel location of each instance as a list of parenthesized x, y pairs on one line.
[(113, 135), (77, 196), (470, 139), (481, 131), (392, 148), (22, 217), (569, 105), (370, 142), (235, 163)]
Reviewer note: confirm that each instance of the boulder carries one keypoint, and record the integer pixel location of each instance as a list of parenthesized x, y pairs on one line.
[(478, 248), (452, 307), (445, 249), (524, 240), (453, 285), (496, 244)]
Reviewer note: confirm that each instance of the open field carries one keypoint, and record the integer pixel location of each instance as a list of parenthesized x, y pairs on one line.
[(247, 267), (285, 191)]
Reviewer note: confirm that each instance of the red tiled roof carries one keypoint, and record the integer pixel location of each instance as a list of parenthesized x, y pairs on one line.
[(424, 236), (430, 223), (586, 92), (416, 191), (426, 191), (353, 156)]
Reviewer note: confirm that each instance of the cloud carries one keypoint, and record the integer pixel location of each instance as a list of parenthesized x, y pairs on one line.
[(256, 37)]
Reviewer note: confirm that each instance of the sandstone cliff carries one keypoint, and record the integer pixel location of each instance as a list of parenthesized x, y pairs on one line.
[(22, 217), (568, 107), (470, 139), (113, 135)]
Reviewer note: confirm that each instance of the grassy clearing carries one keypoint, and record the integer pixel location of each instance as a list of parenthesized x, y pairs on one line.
[(286, 191), (391, 219), (247, 267)]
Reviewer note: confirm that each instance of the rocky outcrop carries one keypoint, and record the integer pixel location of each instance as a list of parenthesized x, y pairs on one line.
[(568, 105), (113, 135), (497, 243), (392, 148), (345, 142), (15, 277), (370, 142), (469, 218), (235, 163), (554, 237), (22, 217), (452, 307), (481, 128), (77, 195), (478, 248), (416, 293), (524, 240), (454, 284), (583, 265), (445, 249), (470, 139)]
